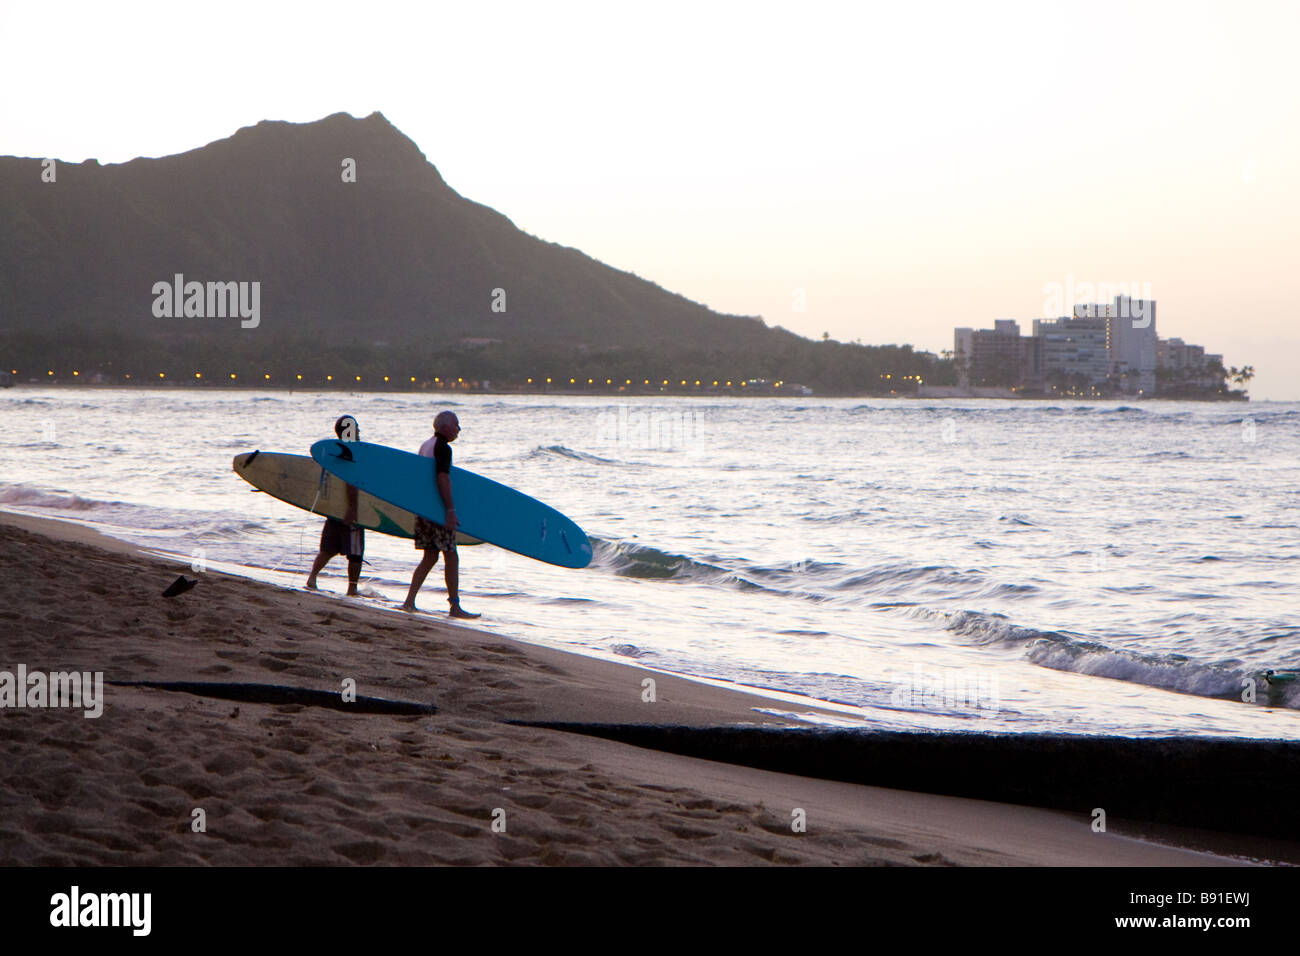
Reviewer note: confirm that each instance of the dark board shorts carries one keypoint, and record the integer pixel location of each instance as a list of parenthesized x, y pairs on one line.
[(430, 536), (338, 538)]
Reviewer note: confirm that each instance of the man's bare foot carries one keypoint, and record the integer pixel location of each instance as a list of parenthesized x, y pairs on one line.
[(353, 592), (311, 585), (408, 606), (456, 611)]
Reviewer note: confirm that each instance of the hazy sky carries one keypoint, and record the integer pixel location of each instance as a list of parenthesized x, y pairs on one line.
[(909, 167)]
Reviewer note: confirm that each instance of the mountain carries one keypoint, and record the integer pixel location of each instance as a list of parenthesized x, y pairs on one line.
[(387, 269)]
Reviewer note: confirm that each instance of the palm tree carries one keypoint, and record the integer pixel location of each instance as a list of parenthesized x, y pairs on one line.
[(1242, 375)]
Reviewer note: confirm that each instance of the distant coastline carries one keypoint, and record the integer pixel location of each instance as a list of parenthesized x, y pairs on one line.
[(925, 393)]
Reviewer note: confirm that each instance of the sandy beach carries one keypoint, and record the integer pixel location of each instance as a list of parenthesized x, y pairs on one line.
[(293, 784)]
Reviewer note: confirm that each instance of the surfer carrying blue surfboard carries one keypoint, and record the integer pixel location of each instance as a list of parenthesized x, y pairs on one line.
[(433, 538), (342, 537)]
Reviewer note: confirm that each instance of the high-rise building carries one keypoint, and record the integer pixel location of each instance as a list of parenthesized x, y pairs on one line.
[(1075, 352), (989, 357), (1101, 348), (1184, 364), (963, 350), (1133, 344)]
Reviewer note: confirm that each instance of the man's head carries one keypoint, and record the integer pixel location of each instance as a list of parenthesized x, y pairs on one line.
[(447, 425), (347, 428)]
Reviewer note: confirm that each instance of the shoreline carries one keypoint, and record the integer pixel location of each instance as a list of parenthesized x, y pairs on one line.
[(643, 392), (289, 783)]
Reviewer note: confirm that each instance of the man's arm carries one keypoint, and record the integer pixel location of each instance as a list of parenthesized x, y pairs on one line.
[(350, 517), (444, 489)]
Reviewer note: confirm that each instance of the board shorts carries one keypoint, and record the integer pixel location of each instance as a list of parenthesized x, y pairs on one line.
[(339, 538), (431, 536)]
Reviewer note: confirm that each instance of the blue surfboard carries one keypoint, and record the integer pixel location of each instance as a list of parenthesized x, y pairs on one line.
[(485, 509)]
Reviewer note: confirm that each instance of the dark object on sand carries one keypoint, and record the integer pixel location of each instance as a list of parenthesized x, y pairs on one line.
[(179, 586), (1230, 784), (280, 694)]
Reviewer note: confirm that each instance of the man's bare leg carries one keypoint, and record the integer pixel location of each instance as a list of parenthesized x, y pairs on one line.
[(322, 559), (451, 573), (417, 579), (354, 575)]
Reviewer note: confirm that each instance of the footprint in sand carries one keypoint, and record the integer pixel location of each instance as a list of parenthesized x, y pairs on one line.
[(688, 833), (370, 851), (533, 801), (137, 660), (658, 788), (884, 842), (227, 762), (934, 859)]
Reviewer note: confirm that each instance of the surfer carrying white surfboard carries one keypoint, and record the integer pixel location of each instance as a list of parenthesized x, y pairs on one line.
[(433, 538), (342, 537)]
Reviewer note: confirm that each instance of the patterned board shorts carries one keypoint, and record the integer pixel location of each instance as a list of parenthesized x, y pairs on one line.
[(338, 538), (430, 536)]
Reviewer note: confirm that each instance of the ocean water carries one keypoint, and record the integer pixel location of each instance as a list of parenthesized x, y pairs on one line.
[(977, 565)]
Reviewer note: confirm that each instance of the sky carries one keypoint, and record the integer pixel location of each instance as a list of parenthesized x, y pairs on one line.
[(878, 172)]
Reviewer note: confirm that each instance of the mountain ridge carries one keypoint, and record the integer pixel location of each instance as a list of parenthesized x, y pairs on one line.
[(396, 256)]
